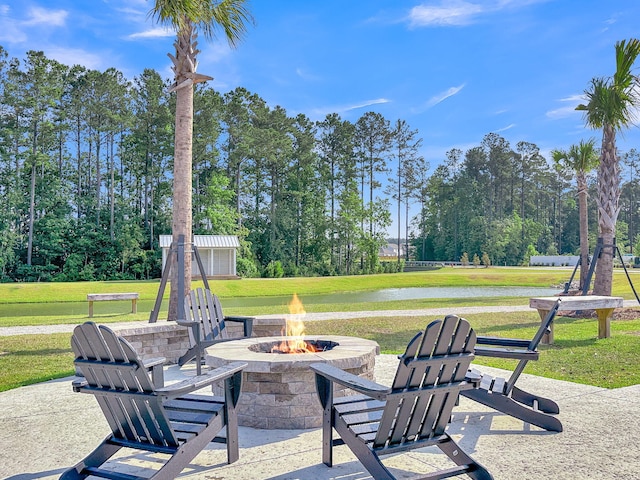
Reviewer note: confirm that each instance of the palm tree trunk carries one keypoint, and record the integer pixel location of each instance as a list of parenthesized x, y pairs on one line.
[(182, 174), (584, 229), (608, 209)]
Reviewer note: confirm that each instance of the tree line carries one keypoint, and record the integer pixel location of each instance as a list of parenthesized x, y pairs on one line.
[(86, 189)]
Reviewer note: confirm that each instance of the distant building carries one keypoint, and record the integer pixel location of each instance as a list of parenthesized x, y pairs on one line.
[(218, 254), (391, 251), (554, 260)]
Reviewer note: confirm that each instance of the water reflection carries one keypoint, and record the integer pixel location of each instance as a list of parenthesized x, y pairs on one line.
[(393, 294)]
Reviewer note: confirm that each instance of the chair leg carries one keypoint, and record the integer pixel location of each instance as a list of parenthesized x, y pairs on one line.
[(231, 419), (534, 401), (508, 405), (188, 356), (187, 452), (460, 458), (367, 457), (100, 455)]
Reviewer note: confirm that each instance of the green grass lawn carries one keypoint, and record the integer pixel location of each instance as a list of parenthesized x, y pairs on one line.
[(577, 354)]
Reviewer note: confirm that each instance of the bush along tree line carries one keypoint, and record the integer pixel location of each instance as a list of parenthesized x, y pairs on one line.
[(86, 184)]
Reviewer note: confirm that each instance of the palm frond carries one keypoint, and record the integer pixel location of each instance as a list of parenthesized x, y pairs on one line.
[(232, 16), (627, 52), (207, 16)]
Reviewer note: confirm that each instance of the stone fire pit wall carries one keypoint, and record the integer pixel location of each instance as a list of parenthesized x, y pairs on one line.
[(169, 340), (279, 390)]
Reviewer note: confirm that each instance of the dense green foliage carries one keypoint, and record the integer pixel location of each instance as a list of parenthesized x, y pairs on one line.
[(511, 203), (85, 183)]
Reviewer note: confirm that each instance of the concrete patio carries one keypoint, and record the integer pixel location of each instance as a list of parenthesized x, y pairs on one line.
[(46, 428)]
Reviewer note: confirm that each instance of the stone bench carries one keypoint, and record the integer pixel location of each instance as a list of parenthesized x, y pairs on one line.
[(603, 305), (107, 297)]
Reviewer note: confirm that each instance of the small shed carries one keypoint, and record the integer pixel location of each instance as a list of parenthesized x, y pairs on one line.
[(218, 254)]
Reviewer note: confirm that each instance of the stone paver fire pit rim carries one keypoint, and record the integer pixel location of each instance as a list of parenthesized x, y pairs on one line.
[(345, 355)]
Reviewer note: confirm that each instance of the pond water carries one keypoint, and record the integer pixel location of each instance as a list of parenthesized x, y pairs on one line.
[(393, 294), (386, 295)]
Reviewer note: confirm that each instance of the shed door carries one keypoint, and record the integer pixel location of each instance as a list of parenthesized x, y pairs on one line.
[(222, 261)]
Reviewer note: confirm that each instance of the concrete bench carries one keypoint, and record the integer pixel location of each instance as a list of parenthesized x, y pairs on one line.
[(603, 306), (107, 297)]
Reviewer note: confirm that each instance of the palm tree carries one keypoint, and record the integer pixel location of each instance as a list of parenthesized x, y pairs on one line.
[(581, 159), (611, 106), (188, 17)]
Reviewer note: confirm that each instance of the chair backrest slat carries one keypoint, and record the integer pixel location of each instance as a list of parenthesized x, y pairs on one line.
[(216, 308), (204, 308), (427, 382), (122, 386)]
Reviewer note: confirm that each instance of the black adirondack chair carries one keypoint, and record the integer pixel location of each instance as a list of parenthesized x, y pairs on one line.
[(413, 412), (502, 394), (169, 420), (207, 324)]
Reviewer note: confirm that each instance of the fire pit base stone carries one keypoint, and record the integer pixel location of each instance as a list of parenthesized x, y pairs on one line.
[(278, 390)]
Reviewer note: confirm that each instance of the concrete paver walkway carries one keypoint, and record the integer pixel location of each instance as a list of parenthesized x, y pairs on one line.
[(47, 428)]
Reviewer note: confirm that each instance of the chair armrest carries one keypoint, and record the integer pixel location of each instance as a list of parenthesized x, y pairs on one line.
[(156, 366), (201, 381), (152, 362), (362, 385), (246, 321), (503, 342), (236, 318), (187, 323), (516, 354)]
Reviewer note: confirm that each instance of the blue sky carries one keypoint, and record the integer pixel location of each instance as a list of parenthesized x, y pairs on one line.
[(454, 70)]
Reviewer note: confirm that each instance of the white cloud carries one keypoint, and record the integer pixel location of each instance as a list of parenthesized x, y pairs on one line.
[(447, 13), (303, 74), (441, 97), (76, 56), (42, 16), (367, 103), (10, 33), (459, 12), (317, 113), (508, 127), (567, 110), (157, 32), (14, 31)]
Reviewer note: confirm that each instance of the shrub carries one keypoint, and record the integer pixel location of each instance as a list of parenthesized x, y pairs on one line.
[(273, 270), (246, 268)]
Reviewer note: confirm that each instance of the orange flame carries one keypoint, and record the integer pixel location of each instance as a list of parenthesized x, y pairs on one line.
[(294, 330)]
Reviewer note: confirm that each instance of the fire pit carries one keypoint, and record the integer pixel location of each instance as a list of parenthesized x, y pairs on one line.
[(278, 390)]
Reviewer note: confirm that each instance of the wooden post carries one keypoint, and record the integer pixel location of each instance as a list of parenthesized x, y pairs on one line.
[(547, 338), (604, 322)]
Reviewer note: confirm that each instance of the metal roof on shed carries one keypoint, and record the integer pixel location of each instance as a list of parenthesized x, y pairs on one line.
[(206, 241)]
